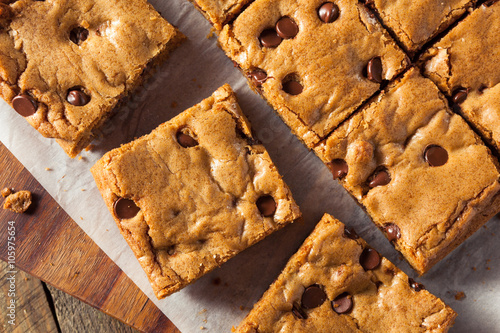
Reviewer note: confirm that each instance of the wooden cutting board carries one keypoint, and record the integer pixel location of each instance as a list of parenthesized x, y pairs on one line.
[(51, 246)]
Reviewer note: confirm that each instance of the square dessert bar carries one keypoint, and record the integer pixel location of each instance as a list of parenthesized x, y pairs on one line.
[(464, 64), (314, 62), (337, 283), (66, 64), (421, 173), (220, 12), (415, 22), (194, 192)]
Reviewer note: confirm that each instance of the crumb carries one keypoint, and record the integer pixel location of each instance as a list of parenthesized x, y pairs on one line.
[(174, 104), (89, 147), (199, 86), (487, 268), (205, 321), (211, 33), (81, 158), (81, 218), (48, 169), (83, 190), (6, 192), (18, 202), (242, 308), (233, 329), (52, 264), (474, 268), (202, 311), (216, 281), (194, 80), (460, 295), (202, 327), (26, 279)]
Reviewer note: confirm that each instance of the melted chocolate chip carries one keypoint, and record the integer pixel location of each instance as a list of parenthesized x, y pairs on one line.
[(24, 104), (258, 77), (339, 168), (270, 38), (435, 155), (369, 259), (185, 140), (78, 35), (77, 97), (350, 233), (392, 231), (459, 95), (292, 87), (298, 312), (374, 70), (313, 297), (266, 205), (342, 303), (125, 208), (286, 28), (380, 177), (415, 285), (328, 12)]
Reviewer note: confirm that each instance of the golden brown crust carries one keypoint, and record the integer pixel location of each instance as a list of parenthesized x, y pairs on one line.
[(220, 12)]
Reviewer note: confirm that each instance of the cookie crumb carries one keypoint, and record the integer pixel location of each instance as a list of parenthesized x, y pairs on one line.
[(242, 308), (6, 192), (211, 33), (459, 295), (89, 147), (48, 169), (202, 311), (174, 104), (202, 327), (18, 202)]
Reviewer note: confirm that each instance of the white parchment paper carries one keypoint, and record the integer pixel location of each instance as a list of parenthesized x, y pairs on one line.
[(193, 72)]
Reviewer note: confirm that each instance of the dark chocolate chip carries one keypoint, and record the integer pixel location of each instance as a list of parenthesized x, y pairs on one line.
[(77, 97), (459, 95), (435, 155), (266, 205), (270, 38), (186, 140), (313, 297), (392, 231), (328, 12), (286, 28), (380, 177), (298, 312), (374, 70), (415, 285), (339, 168), (342, 303), (24, 104), (350, 233), (125, 208), (292, 87), (482, 88), (78, 35), (258, 77), (369, 259)]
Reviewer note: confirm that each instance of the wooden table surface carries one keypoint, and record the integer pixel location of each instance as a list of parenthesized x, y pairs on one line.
[(51, 246)]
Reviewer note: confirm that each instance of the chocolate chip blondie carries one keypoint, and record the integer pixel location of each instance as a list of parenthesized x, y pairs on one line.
[(415, 22), (220, 12), (315, 62), (194, 192), (337, 283), (463, 65), (65, 64), (421, 173)]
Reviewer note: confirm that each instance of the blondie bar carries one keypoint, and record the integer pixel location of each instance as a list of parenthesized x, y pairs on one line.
[(422, 174), (337, 283), (194, 192), (66, 64)]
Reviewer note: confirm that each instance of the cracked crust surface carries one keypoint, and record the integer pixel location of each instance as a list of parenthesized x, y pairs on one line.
[(197, 204), (220, 12), (38, 58), (435, 208), (328, 60), (466, 58), (383, 300), (416, 22)]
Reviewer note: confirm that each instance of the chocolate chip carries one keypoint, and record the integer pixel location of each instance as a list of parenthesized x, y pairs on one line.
[(339, 168), (292, 87), (459, 95), (266, 205), (374, 70), (286, 28), (298, 312), (77, 97), (258, 77), (328, 12), (24, 104), (482, 88), (415, 285), (125, 208), (185, 140), (380, 177), (342, 303), (350, 233), (270, 38), (392, 231), (313, 297), (78, 35), (369, 259), (435, 155)]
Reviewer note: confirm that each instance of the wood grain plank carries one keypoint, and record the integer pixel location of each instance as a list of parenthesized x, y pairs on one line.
[(53, 248)]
